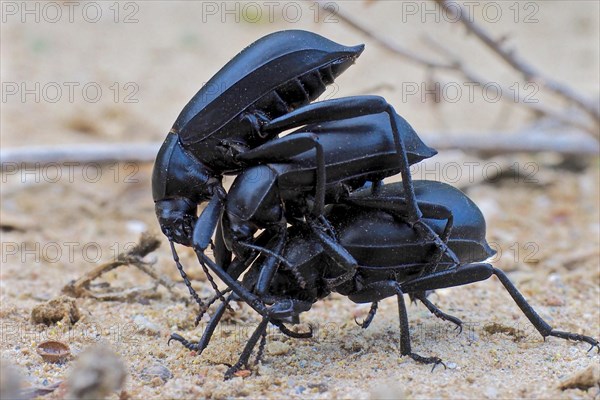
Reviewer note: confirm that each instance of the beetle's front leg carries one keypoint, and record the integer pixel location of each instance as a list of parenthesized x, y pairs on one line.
[(208, 332), (258, 333)]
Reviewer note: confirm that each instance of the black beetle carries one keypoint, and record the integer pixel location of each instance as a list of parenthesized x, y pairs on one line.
[(393, 260), (271, 77), (354, 150), (263, 91)]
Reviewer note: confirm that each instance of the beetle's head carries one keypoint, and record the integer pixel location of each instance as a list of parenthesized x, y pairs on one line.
[(179, 183)]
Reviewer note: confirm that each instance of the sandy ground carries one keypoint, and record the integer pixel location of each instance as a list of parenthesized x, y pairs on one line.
[(544, 221)]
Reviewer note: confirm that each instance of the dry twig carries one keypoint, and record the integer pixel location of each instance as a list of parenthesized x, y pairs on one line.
[(511, 57), (529, 141), (453, 63), (134, 256)]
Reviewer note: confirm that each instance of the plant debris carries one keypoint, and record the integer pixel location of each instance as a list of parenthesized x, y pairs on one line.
[(135, 256), (494, 328)]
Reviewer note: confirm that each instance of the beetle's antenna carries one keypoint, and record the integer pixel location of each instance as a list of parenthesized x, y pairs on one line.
[(261, 347), (218, 293), (294, 270), (186, 280), (210, 303), (268, 252)]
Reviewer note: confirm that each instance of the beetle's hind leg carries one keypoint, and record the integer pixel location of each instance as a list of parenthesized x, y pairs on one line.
[(476, 272), (437, 312), (405, 348), (542, 326)]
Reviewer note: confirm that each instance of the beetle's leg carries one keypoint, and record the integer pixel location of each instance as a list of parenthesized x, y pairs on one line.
[(204, 228), (367, 321), (337, 252), (471, 273), (245, 356), (261, 348), (209, 304), (280, 309), (222, 254), (207, 222), (269, 267), (542, 326), (355, 106), (405, 348), (208, 332), (437, 312), (296, 335)]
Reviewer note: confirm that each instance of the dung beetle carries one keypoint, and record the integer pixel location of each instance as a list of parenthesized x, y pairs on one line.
[(393, 260), (276, 74)]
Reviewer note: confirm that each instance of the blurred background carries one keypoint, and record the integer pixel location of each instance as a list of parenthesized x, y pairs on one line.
[(515, 121)]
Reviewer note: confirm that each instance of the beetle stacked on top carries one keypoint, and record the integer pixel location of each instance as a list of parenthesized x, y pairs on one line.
[(326, 221)]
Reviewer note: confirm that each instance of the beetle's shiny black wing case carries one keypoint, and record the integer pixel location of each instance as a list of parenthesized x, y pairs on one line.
[(259, 74), (382, 240)]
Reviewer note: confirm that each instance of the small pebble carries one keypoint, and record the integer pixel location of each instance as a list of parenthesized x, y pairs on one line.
[(156, 371), (10, 380), (278, 348), (145, 325), (451, 365), (582, 379)]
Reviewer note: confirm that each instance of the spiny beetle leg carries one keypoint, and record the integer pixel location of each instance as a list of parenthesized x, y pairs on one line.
[(437, 312), (245, 356), (208, 332), (405, 347), (542, 326), (476, 272)]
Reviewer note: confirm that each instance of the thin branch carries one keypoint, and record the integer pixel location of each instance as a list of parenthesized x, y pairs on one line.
[(78, 153), (134, 256), (455, 64), (456, 11), (573, 143), (393, 47), (538, 107)]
